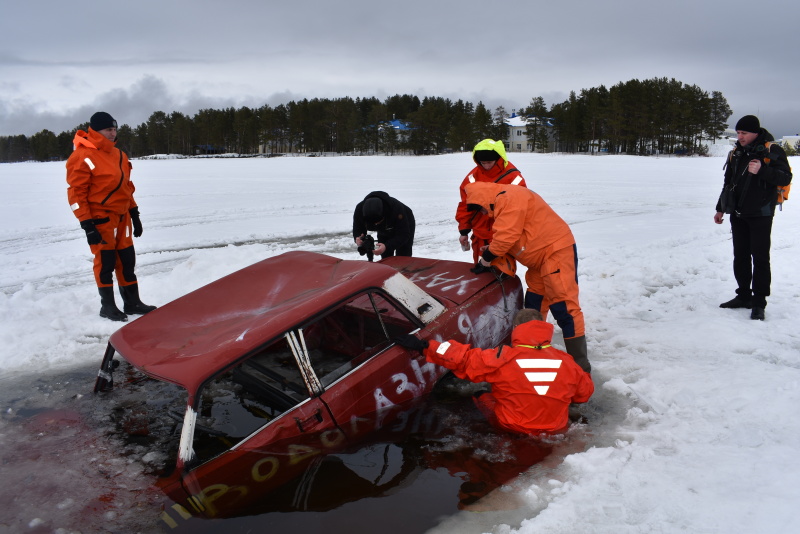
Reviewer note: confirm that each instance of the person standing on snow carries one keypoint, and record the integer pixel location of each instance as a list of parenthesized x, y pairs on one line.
[(492, 166), (393, 220), (532, 383), (526, 228), (100, 193), (755, 167)]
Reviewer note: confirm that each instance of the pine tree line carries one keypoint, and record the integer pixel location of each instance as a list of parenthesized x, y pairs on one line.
[(640, 117), (635, 117)]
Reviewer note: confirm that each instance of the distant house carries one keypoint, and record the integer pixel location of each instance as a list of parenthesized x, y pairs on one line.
[(400, 127), (517, 137), (517, 132), (792, 140)]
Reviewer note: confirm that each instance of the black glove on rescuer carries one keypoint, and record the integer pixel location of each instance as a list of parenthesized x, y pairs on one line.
[(411, 342), (92, 235), (480, 268), (137, 222)]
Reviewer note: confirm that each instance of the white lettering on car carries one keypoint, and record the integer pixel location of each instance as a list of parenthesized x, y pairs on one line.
[(420, 371), (403, 385), (440, 279), (486, 329), (381, 402)]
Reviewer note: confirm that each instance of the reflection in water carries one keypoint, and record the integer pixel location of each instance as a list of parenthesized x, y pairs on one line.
[(70, 469), (428, 461)]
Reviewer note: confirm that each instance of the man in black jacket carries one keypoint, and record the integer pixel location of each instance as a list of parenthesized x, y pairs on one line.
[(393, 220), (756, 167)]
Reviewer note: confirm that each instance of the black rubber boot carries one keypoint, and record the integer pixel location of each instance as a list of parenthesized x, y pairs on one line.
[(108, 307), (576, 347), (134, 305), (757, 314)]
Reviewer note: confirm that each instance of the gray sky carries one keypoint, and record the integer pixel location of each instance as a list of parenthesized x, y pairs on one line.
[(62, 61)]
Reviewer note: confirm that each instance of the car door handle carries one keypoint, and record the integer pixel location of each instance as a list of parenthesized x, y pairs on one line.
[(309, 423)]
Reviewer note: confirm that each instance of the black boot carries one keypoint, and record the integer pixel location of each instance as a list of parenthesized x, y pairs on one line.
[(133, 305), (737, 302), (108, 308), (759, 303), (576, 347)]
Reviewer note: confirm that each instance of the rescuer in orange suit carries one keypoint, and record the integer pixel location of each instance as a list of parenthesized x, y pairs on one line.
[(492, 166), (532, 383), (100, 193), (526, 228)]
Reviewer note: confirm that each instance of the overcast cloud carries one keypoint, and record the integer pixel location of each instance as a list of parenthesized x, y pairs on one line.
[(61, 61)]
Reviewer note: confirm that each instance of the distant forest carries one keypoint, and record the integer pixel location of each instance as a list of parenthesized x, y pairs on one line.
[(659, 115)]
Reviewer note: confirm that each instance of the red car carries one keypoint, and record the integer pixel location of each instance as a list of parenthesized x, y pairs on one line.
[(290, 358)]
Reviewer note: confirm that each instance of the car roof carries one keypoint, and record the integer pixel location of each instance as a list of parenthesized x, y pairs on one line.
[(190, 339)]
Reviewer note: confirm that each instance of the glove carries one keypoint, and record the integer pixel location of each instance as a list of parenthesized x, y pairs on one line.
[(137, 222), (411, 342), (93, 237), (480, 268)]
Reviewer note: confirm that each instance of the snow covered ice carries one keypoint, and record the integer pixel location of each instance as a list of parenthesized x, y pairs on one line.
[(699, 425)]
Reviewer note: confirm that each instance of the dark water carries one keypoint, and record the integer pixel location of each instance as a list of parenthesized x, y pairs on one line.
[(71, 460)]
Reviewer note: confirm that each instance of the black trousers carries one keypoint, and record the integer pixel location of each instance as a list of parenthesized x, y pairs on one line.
[(751, 244), (406, 249)]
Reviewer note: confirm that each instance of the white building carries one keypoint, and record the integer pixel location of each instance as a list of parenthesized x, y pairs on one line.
[(518, 138)]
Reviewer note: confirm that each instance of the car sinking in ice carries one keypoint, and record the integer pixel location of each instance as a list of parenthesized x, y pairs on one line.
[(257, 373)]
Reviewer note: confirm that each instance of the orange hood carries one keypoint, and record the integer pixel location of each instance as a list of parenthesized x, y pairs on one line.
[(483, 194)]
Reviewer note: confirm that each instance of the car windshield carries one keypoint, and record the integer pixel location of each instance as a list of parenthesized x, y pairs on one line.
[(290, 369)]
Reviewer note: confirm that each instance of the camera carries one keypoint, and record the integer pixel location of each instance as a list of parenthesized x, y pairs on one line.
[(367, 246)]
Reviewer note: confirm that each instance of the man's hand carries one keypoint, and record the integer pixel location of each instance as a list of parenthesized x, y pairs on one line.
[(136, 221), (93, 237), (411, 342), (754, 166), (464, 241), (718, 217), (380, 248), (359, 242)]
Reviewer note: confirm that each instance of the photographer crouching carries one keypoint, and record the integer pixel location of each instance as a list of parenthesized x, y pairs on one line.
[(391, 219)]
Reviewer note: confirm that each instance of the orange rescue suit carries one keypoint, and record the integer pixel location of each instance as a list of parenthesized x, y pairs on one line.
[(528, 229), (100, 188), (503, 172), (99, 177), (533, 383)]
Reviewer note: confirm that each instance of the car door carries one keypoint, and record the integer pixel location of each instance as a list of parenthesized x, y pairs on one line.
[(375, 381)]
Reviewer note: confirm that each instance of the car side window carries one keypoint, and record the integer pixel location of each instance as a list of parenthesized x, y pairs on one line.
[(243, 399), (353, 333), (285, 373)]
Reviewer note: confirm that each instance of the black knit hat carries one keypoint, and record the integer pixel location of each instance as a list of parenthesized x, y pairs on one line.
[(372, 210), (486, 155), (102, 120), (748, 123)]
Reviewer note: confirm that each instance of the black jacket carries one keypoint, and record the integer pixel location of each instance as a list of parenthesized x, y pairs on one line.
[(397, 227), (754, 195)]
